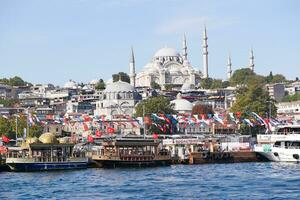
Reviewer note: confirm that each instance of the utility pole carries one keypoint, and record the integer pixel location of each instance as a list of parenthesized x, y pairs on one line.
[(144, 128), (16, 129)]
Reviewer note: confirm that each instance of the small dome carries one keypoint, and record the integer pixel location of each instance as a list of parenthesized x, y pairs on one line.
[(181, 105), (48, 138), (70, 84), (166, 52), (119, 86)]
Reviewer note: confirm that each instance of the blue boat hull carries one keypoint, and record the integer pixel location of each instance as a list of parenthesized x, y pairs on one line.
[(26, 167)]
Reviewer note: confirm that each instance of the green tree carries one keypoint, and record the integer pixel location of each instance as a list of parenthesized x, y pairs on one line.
[(253, 98), (155, 85), (100, 85), (290, 98), (206, 83), (121, 75), (8, 102), (169, 87), (159, 104), (241, 76), (278, 78)]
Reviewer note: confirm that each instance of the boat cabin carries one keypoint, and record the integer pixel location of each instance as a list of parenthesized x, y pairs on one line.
[(132, 150), (45, 152), (287, 144)]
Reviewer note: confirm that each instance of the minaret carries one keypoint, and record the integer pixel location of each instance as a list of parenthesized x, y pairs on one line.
[(229, 70), (205, 54), (184, 48), (132, 69), (251, 60)]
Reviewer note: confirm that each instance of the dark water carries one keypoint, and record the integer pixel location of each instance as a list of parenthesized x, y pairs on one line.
[(216, 181)]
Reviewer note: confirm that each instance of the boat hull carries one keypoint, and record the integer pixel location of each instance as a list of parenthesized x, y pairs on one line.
[(134, 164), (280, 154), (25, 165)]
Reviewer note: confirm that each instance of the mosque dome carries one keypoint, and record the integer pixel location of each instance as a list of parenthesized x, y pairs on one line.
[(119, 86), (166, 52), (48, 138), (182, 105), (70, 84)]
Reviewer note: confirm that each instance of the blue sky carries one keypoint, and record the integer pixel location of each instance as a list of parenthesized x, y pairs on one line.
[(54, 41)]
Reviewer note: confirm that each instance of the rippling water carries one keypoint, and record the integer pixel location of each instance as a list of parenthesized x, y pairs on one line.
[(213, 181)]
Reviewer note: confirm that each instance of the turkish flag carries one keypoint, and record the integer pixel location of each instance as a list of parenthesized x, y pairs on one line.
[(90, 138), (5, 139), (98, 133), (110, 130), (85, 127)]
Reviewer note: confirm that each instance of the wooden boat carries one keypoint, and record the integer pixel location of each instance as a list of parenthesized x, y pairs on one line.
[(131, 152), (45, 157)]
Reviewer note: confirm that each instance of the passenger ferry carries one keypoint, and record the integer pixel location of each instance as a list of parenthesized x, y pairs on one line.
[(44, 155), (131, 152), (287, 150), (281, 146)]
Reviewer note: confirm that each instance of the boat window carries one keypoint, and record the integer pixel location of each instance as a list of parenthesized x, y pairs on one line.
[(295, 144), (277, 144)]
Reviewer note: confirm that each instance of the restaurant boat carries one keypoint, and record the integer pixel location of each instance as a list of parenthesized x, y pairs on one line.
[(45, 157), (131, 152)]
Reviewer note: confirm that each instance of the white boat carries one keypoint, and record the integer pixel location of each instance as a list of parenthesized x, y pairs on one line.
[(283, 145), (281, 151)]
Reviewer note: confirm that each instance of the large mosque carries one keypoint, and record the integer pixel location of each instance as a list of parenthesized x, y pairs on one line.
[(167, 66)]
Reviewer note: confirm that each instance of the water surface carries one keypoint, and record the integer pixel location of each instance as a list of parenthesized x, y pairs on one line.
[(212, 181)]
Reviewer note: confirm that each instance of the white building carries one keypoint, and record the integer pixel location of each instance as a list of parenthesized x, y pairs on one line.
[(119, 98), (291, 109)]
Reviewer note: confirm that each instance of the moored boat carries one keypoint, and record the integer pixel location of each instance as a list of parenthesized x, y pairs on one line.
[(45, 157), (131, 152), (283, 145)]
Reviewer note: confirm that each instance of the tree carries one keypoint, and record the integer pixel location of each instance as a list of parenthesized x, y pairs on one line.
[(14, 81), (241, 76), (8, 102), (155, 85), (159, 104), (209, 83), (100, 85), (278, 78), (290, 98), (202, 109), (206, 83), (169, 87), (253, 98), (121, 75)]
